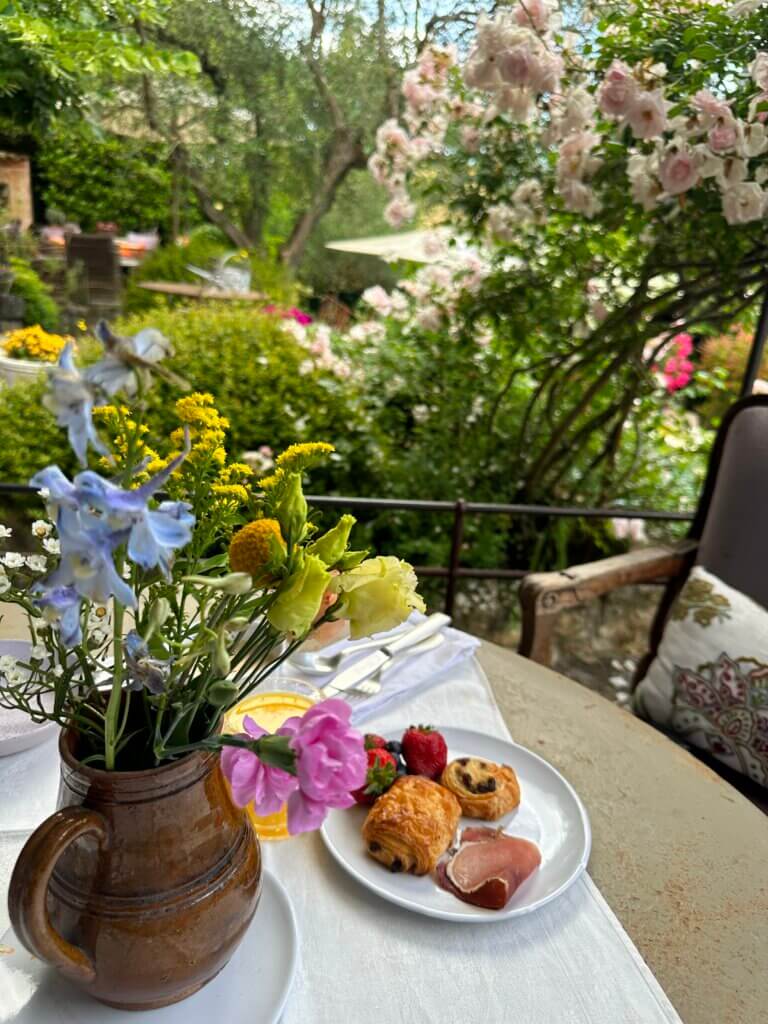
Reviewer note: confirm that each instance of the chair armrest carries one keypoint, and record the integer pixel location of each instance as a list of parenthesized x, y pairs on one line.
[(543, 595)]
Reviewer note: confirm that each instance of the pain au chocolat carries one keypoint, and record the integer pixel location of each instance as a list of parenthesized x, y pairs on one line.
[(411, 825)]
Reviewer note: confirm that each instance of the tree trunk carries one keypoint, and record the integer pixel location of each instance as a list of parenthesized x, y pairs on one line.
[(345, 153)]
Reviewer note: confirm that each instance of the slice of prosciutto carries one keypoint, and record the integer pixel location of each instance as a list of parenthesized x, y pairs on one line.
[(488, 867)]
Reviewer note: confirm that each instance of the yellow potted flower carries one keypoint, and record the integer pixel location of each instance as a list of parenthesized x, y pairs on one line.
[(25, 352)]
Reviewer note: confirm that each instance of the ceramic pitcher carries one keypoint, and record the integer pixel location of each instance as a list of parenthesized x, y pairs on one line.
[(141, 886)]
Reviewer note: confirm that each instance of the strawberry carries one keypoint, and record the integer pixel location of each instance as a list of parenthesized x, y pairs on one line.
[(373, 742), (382, 772), (424, 751)]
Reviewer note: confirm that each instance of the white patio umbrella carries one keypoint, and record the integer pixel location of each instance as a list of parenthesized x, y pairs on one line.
[(426, 246)]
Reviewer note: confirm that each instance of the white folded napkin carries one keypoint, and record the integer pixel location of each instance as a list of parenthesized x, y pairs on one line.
[(410, 674)]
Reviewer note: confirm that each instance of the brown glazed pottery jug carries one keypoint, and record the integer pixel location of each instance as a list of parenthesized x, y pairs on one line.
[(141, 886)]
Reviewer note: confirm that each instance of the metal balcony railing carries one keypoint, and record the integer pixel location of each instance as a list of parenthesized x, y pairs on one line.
[(459, 510)]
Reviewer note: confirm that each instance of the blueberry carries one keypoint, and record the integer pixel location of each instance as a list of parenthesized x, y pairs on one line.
[(394, 747)]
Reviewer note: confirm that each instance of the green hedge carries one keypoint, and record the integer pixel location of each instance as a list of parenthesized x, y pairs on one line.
[(39, 306), (252, 368)]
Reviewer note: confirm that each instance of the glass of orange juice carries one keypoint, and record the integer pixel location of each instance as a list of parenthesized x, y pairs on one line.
[(269, 710)]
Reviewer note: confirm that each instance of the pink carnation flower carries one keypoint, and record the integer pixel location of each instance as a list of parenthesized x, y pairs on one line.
[(253, 781), (330, 763)]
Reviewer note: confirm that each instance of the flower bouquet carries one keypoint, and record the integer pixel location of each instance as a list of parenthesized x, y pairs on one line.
[(171, 583)]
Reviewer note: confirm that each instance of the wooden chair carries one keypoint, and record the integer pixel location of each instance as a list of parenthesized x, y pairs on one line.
[(96, 260), (728, 536)]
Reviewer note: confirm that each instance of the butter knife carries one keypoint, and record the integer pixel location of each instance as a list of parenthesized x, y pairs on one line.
[(373, 663)]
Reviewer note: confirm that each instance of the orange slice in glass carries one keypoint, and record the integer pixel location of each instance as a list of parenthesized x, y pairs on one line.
[(269, 710)]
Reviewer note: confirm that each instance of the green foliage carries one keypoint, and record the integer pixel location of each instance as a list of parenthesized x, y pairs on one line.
[(92, 177), (252, 368), (52, 51), (30, 439), (39, 306), (206, 245), (355, 214)]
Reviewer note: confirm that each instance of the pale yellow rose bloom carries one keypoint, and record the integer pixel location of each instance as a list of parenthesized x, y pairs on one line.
[(300, 597), (376, 595)]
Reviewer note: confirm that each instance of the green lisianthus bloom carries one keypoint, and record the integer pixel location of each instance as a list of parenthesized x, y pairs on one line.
[(332, 545), (376, 595), (300, 597), (292, 510)]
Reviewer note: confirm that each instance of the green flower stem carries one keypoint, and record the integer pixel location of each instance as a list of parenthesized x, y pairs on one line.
[(113, 706)]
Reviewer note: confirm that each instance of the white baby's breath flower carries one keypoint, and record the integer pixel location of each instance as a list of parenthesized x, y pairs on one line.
[(38, 652), (13, 560), (37, 563), (7, 663), (52, 546), (57, 671), (15, 677), (42, 528), (5, 531)]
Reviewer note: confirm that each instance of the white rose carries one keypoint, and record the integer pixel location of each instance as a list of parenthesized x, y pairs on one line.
[(732, 172), (13, 560), (41, 528), (52, 546), (37, 563), (5, 584), (5, 531), (743, 203)]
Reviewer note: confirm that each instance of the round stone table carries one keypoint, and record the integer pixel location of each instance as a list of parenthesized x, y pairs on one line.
[(681, 856)]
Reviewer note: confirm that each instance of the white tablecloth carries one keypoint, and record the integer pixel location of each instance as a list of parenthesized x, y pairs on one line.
[(363, 959)]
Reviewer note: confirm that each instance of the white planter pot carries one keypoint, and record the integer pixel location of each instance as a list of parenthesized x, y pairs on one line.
[(12, 370)]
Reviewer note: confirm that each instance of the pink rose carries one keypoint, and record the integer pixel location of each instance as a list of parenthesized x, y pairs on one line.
[(618, 90), (520, 66), (330, 763), (678, 172), (710, 105), (532, 14), (723, 134), (647, 115), (252, 780)]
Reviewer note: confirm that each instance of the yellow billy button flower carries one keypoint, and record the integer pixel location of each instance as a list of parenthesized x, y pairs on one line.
[(255, 547)]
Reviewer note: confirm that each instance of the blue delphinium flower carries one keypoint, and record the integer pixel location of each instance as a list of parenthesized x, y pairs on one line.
[(86, 561), (62, 605), (71, 401), (144, 671), (126, 359)]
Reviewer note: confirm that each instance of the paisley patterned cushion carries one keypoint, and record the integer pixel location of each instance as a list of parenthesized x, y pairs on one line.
[(709, 680)]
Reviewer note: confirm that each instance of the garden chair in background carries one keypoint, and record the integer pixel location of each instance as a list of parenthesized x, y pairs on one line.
[(97, 263), (702, 679)]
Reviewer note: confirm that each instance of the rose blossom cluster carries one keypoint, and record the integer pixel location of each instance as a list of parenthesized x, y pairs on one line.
[(428, 300), (535, 82), (316, 339), (429, 108), (678, 368)]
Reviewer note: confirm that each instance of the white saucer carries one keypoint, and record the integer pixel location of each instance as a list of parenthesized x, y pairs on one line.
[(550, 814), (252, 989), (17, 730)]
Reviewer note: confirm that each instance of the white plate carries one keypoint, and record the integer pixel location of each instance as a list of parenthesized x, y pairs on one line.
[(252, 989), (17, 730), (550, 814)]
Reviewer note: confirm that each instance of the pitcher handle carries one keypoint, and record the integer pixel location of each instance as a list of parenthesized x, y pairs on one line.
[(29, 885)]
